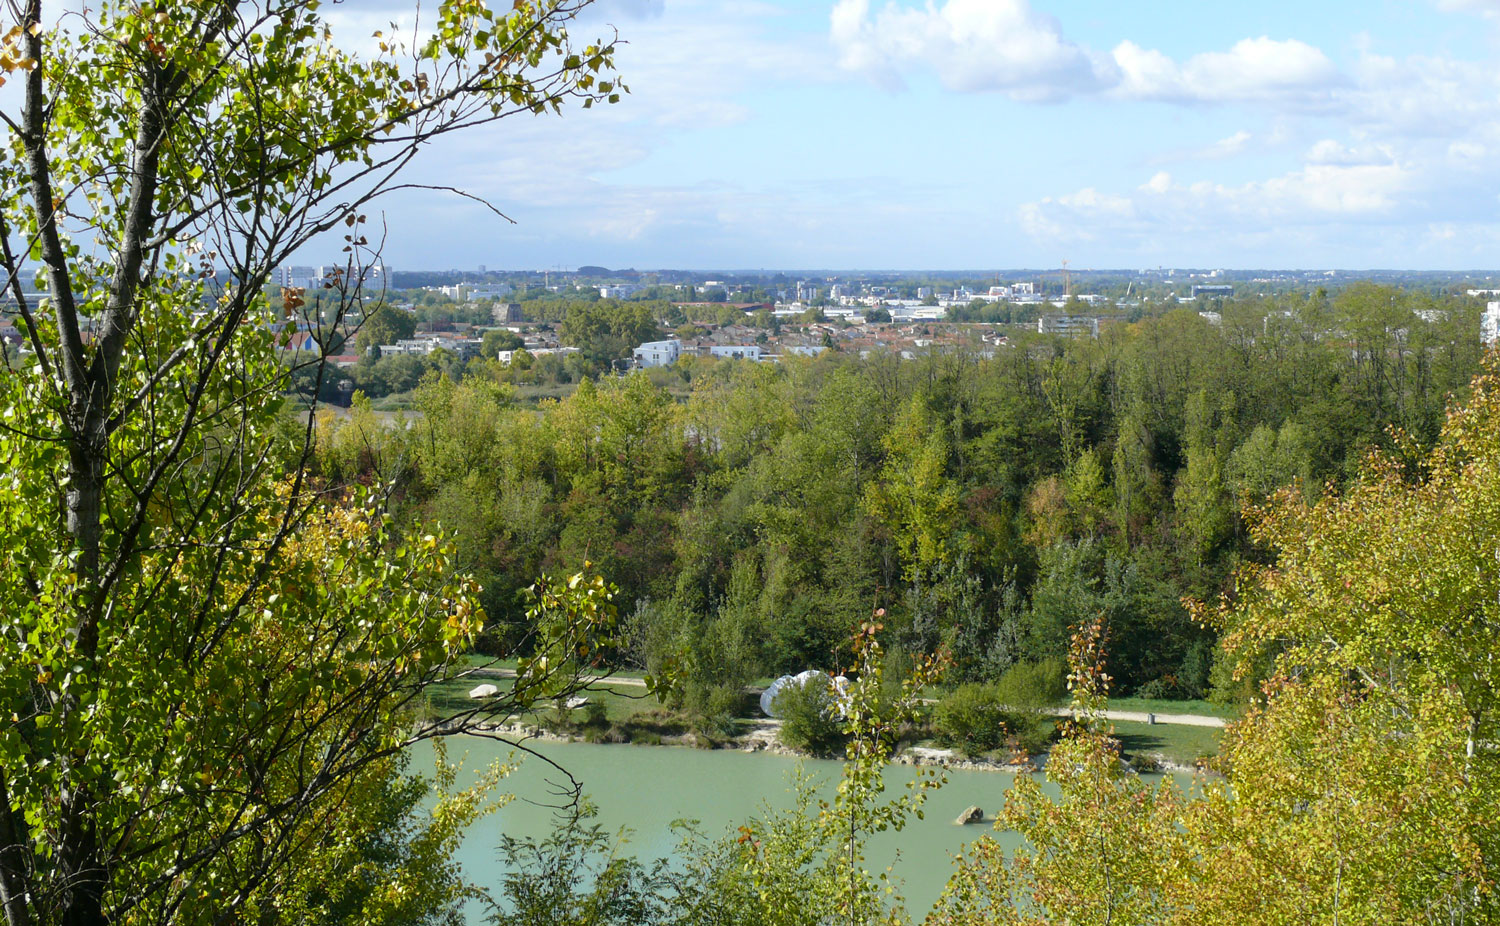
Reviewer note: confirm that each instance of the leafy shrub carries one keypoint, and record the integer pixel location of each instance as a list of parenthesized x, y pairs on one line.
[(712, 709), (1026, 689), (579, 875), (1032, 685), (1159, 689), (971, 719), (595, 714), (979, 717), (809, 721)]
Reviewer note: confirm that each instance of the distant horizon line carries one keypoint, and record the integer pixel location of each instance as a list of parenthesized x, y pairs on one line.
[(968, 271), (768, 271)]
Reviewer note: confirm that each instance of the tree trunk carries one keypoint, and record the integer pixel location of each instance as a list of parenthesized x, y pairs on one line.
[(13, 851), (90, 386)]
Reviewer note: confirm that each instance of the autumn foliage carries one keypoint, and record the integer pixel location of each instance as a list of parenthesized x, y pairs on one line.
[(1361, 785)]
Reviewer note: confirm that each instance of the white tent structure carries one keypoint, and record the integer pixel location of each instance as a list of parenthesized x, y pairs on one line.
[(840, 686)]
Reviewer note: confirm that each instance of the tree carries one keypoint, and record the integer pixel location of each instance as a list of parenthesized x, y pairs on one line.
[(608, 330), (1088, 497), (1134, 482), (384, 325), (807, 865), (500, 339), (1092, 853), (914, 497), (1362, 785), (1203, 511), (205, 661)]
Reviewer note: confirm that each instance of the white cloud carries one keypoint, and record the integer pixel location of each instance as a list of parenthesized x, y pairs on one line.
[(580, 178), (1007, 46), (1098, 203), (1467, 153), (1487, 8), (1253, 70), (1331, 151), (995, 45), (1315, 194), (1421, 95), (1227, 147)]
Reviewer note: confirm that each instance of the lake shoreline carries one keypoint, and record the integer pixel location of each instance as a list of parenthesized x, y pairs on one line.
[(762, 740)]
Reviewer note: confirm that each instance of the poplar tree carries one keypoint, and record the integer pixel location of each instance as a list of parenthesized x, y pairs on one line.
[(206, 668)]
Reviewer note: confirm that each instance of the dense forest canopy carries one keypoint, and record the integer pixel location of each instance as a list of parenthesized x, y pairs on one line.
[(989, 501)]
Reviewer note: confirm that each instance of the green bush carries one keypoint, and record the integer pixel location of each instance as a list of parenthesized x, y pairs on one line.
[(1032, 685), (595, 714), (712, 709), (809, 721), (1025, 690), (971, 719), (979, 717)]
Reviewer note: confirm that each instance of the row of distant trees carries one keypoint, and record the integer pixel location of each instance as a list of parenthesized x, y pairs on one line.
[(989, 505)]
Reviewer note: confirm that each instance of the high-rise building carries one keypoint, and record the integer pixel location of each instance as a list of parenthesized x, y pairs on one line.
[(1489, 324), (296, 277), (371, 276)]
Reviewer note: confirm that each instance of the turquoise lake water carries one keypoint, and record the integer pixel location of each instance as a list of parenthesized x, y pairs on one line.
[(646, 788)]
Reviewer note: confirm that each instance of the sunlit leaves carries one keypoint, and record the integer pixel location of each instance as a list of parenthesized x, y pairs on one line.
[(205, 667), (573, 622), (1364, 784)]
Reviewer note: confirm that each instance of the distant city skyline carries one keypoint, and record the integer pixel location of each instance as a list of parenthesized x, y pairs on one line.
[(991, 133)]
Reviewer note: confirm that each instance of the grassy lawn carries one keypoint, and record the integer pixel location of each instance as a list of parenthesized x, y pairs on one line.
[(448, 697), (621, 702), (1158, 706), (477, 661), (395, 402), (531, 395), (1174, 743)]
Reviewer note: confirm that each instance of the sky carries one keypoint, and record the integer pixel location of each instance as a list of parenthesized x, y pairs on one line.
[(978, 134)]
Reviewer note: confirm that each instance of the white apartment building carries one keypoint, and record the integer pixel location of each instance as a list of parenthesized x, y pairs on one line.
[(737, 352), (658, 353), (374, 276), (1073, 325), (1489, 324), (296, 277)]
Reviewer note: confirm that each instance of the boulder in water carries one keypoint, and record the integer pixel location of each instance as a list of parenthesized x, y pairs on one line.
[(971, 815)]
